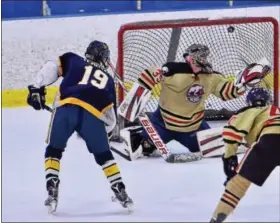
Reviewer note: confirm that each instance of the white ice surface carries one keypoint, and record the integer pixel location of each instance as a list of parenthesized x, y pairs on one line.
[(161, 191)]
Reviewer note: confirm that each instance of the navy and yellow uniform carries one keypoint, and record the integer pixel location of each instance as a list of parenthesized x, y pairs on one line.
[(85, 85), (87, 105), (86, 92), (181, 104)]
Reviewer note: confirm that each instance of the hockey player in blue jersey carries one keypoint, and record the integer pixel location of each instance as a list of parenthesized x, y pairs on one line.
[(87, 105)]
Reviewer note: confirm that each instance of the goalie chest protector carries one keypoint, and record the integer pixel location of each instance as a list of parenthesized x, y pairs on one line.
[(183, 95)]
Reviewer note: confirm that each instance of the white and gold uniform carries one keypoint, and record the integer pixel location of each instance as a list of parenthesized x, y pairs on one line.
[(260, 126), (183, 94)]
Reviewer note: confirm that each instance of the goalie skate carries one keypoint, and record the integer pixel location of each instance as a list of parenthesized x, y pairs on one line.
[(52, 200), (121, 196)]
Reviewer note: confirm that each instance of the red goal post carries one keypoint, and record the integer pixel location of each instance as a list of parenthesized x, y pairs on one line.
[(233, 43)]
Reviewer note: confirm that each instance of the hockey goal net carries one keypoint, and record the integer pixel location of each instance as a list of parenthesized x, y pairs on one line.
[(233, 43)]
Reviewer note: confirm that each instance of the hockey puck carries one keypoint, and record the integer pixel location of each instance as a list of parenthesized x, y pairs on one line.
[(230, 29)]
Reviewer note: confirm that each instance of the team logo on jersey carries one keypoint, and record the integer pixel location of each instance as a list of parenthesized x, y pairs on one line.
[(194, 93)]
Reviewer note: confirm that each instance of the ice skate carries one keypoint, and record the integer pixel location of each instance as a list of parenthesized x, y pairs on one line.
[(220, 218), (121, 196), (52, 200)]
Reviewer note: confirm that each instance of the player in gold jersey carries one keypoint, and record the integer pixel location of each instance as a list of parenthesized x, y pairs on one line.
[(259, 124), (185, 86)]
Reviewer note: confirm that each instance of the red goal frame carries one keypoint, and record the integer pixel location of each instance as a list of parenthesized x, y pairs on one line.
[(198, 22)]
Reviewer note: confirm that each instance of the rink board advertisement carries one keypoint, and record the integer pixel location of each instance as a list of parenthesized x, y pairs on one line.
[(27, 44)]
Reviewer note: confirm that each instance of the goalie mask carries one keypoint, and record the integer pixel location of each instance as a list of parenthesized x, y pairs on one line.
[(196, 55), (98, 52), (258, 97)]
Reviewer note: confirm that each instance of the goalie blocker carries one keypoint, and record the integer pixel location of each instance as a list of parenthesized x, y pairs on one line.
[(134, 103)]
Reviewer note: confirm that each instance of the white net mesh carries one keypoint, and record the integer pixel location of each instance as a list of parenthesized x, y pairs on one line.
[(233, 43)]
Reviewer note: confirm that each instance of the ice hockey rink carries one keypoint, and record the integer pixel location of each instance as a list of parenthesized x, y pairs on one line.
[(161, 191)]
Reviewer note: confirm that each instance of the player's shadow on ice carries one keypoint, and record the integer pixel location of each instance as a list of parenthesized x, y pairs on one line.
[(88, 210), (91, 215)]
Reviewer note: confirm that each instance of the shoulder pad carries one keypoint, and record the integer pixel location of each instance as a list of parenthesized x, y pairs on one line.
[(66, 59), (172, 68), (69, 55)]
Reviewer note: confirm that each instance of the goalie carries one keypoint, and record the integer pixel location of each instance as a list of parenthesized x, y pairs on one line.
[(185, 88)]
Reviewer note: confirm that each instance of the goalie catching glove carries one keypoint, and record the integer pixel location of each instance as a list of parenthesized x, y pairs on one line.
[(251, 76), (36, 97)]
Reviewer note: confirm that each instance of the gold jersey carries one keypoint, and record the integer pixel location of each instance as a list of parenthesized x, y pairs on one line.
[(250, 123), (183, 94)]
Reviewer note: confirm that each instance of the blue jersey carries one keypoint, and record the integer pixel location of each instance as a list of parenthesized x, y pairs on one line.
[(86, 85)]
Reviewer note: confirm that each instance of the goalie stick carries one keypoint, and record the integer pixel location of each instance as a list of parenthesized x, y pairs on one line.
[(155, 137)]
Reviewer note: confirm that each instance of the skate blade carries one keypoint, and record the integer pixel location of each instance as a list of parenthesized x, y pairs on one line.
[(114, 199), (52, 207), (128, 205)]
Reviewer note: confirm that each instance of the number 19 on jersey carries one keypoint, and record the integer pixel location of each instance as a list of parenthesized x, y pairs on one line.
[(99, 78)]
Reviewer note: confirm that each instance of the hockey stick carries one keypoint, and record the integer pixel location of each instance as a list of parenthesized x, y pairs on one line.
[(161, 146), (126, 157), (118, 77), (155, 137), (48, 108)]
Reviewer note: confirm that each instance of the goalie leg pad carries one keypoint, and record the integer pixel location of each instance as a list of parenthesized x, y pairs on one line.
[(135, 144), (211, 142), (132, 139)]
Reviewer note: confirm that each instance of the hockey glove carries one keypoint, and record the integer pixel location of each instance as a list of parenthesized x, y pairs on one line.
[(36, 97), (251, 76), (230, 165)]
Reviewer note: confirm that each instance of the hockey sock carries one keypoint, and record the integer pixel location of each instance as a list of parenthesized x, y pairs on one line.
[(52, 163), (109, 166), (112, 172), (235, 190)]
